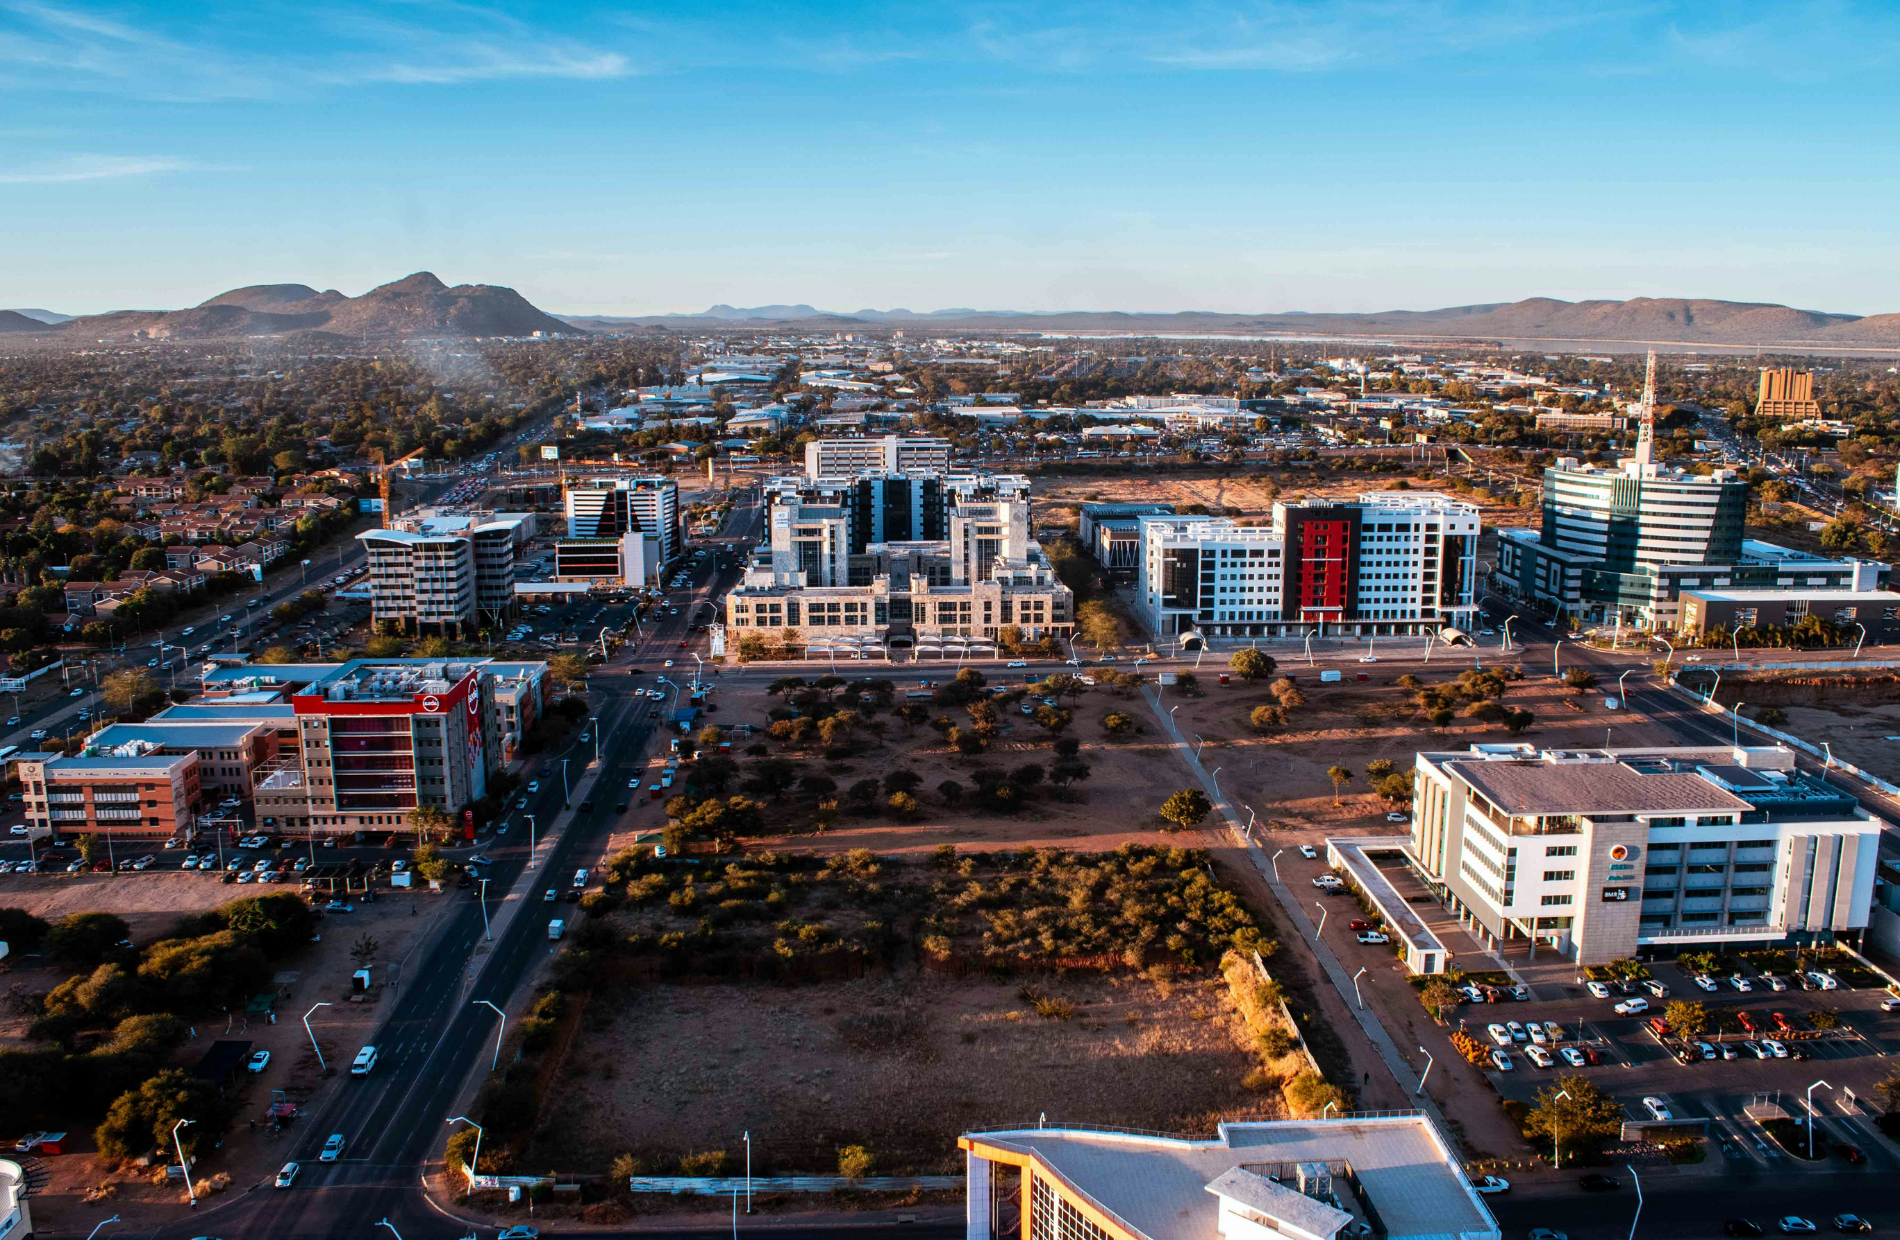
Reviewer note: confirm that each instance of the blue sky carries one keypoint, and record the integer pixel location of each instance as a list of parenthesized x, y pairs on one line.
[(1254, 156)]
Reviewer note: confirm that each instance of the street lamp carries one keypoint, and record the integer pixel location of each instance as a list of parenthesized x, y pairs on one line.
[(1862, 638), (1824, 745), (1428, 1070), (566, 792), (1634, 1179), (313, 1037), (1737, 637), (1554, 648), (1508, 622), (1199, 744), (1274, 861), (1672, 654), (185, 1167), (1309, 646), (1322, 920), (1811, 1090), (530, 818), (475, 1164), (1215, 779), (1355, 987), (482, 894), (1735, 725), (95, 1231), (383, 1222), (499, 1033), (1556, 1149), (1621, 696)]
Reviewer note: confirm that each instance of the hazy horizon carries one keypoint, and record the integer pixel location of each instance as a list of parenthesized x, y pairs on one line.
[(1355, 156)]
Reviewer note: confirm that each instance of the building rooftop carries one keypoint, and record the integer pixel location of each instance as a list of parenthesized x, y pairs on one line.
[(1536, 786), (390, 680), (173, 734), (1159, 1187), (156, 763), (1767, 593), (225, 709)]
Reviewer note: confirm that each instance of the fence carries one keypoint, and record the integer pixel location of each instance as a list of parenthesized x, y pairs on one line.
[(720, 1186)]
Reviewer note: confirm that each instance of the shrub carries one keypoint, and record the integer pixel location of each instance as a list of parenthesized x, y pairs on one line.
[(1274, 1043), (1308, 1094), (855, 1162), (705, 1163)]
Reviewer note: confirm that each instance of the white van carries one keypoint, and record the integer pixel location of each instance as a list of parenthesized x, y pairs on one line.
[(580, 878), (365, 1060), (556, 928)]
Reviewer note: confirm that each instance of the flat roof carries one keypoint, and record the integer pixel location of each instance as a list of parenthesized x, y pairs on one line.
[(157, 763), (1398, 914), (1810, 593), (1538, 787), (1157, 1186), (227, 709), (179, 734)]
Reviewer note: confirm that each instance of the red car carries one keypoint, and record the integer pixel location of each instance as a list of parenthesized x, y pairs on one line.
[(1361, 924), (1781, 1022)]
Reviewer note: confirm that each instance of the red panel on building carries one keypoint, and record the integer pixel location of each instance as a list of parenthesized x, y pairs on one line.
[(1324, 553)]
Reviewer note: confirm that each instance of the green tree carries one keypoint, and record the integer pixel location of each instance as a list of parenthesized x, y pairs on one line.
[(1116, 723), (1265, 717), (1253, 665), (429, 863), (855, 1162), (1687, 1018), (1341, 776), (1572, 1109), (567, 669), (428, 822), (21, 931), (141, 1119), (1099, 627), (1439, 996), (86, 938), (1378, 769), (124, 689), (1579, 679), (1186, 808)]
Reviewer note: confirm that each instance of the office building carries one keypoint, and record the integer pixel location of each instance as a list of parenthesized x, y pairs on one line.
[(443, 574), (138, 793), (849, 456), (1390, 1175), (1601, 853), (1112, 533), (1582, 423), (230, 752), (1387, 563), (1787, 393), (631, 560), (974, 572), (1872, 615), (608, 507)]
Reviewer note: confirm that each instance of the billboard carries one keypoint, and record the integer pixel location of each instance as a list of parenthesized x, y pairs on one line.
[(369, 505), (550, 452)]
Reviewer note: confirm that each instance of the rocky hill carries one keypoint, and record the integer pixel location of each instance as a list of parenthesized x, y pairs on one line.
[(418, 305), (13, 321)]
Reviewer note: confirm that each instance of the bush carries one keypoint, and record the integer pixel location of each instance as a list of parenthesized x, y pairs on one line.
[(855, 1162), (1308, 1094), (21, 931), (705, 1163), (1274, 1043), (86, 938)]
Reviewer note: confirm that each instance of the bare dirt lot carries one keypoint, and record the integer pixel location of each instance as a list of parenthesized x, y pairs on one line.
[(901, 1063), (1252, 493), (149, 902)]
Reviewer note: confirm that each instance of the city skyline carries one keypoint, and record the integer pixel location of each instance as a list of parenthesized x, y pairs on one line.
[(1248, 158)]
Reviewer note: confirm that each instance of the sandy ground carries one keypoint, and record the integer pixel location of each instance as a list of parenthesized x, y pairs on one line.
[(1866, 734), (149, 902), (1058, 499), (899, 1062), (320, 973)]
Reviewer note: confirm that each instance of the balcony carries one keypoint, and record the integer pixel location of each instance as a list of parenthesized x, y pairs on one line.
[(1709, 932)]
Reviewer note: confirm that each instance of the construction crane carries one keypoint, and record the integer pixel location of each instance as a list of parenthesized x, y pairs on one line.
[(382, 479)]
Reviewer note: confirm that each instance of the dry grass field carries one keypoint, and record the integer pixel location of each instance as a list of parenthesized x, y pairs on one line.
[(899, 1062)]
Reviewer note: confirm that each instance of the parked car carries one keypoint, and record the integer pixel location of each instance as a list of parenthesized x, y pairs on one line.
[(1658, 1109), (1851, 1224), (1704, 981), (1539, 1056), (1572, 1056), (1501, 1059), (1307, 851), (1656, 988), (1633, 1006), (1498, 1034), (1493, 1184), (1374, 938), (1774, 1048), (1597, 990), (258, 1061), (1794, 1225), (1740, 983)]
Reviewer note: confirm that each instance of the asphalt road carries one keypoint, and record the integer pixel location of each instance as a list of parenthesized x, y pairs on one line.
[(438, 1035)]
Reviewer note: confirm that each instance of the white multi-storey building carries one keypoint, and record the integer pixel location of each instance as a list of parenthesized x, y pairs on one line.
[(1604, 852), (1389, 562), (443, 574), (848, 456)]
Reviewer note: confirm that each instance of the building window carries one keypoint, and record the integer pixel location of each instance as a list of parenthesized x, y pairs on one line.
[(1559, 876), (1564, 850), (1551, 900), (1052, 1217)]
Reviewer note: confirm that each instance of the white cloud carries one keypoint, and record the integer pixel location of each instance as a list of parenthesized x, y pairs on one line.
[(98, 168)]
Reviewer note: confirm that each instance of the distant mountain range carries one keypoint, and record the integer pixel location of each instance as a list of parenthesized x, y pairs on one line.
[(418, 305), (1661, 320)]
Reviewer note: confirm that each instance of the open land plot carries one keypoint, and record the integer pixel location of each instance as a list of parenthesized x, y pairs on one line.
[(899, 1062), (1252, 492), (1281, 772), (1856, 716), (824, 1002), (1130, 774)]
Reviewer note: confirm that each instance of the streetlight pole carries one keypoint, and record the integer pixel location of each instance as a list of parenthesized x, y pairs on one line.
[(500, 1033), (321, 1066), (482, 894), (1508, 622), (1672, 654), (1309, 647), (1215, 779), (95, 1231), (1355, 987), (1556, 1148), (1811, 1090), (1735, 725), (1555, 647), (475, 1164), (1621, 696), (566, 793), (1737, 636), (185, 1167), (748, 1171), (530, 818), (1424, 1076), (1199, 744), (383, 1222), (1637, 1181), (1322, 920), (1863, 638), (1274, 861)]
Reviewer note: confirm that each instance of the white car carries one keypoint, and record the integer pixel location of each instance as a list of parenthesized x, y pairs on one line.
[(1492, 1184), (1573, 1057), (1498, 1034), (258, 1061), (332, 1149), (1822, 981), (1501, 1059), (1740, 983), (1774, 982), (1373, 938), (1794, 1225), (1774, 1048), (1537, 1033), (1631, 1007), (1658, 1109), (288, 1175), (1704, 981), (1016, 663), (1597, 990), (1539, 1056), (1307, 851)]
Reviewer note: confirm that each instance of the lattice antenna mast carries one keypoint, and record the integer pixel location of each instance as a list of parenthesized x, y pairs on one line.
[(1646, 414)]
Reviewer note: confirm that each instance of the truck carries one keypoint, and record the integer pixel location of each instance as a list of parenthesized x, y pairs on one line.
[(556, 928)]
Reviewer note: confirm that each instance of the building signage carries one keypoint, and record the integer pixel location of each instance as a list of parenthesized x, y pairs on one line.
[(1615, 895), (432, 704)]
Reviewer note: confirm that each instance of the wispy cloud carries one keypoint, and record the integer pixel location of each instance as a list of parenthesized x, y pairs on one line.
[(100, 168), (46, 45)]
